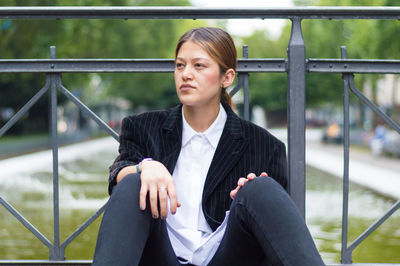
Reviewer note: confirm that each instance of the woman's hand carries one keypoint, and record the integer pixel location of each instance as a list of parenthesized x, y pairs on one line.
[(243, 181), (157, 181)]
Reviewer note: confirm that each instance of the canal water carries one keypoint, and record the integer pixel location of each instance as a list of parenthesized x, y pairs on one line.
[(83, 189)]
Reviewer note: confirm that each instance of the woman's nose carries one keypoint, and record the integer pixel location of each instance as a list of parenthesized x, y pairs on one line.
[(187, 73)]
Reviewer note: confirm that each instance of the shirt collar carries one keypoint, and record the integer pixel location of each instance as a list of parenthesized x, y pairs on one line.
[(212, 134)]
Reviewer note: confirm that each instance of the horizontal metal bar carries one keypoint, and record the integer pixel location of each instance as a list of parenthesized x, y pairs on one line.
[(87, 111), (122, 12), (26, 223), (278, 65), (262, 65), (83, 227), (123, 65), (85, 65), (374, 226), (373, 66)]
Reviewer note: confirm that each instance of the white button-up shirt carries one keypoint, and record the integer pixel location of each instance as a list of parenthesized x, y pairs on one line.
[(191, 237)]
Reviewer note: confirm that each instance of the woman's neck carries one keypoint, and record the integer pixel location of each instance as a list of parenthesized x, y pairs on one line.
[(200, 118)]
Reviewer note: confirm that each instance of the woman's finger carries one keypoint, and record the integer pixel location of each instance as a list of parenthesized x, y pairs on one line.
[(142, 197), (153, 201), (241, 181), (173, 199), (251, 176), (234, 192), (264, 174), (162, 197)]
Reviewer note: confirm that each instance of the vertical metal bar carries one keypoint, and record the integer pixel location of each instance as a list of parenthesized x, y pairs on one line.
[(296, 115), (55, 252), (246, 97), (346, 255)]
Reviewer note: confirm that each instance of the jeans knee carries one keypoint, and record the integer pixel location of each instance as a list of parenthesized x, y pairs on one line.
[(262, 190), (128, 187), (260, 185)]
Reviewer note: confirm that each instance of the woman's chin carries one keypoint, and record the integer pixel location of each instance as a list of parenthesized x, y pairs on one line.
[(188, 100)]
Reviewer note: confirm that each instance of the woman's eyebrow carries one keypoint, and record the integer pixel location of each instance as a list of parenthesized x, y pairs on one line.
[(200, 59), (195, 58)]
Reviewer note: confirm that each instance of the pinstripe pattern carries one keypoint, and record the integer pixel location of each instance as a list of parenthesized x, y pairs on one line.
[(243, 148)]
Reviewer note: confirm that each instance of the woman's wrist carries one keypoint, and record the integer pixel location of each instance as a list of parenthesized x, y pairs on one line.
[(125, 171), (131, 169), (139, 167)]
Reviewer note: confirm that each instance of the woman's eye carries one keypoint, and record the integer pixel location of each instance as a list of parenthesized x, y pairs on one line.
[(178, 65), (199, 65)]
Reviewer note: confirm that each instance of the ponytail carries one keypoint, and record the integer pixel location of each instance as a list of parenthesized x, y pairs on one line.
[(226, 98)]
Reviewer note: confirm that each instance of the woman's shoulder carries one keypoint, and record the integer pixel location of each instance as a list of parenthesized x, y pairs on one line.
[(252, 130), (150, 118)]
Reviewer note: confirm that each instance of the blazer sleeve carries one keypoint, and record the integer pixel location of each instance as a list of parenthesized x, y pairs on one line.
[(131, 149), (278, 165)]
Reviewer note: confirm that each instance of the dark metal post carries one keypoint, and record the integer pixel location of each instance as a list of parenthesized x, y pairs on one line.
[(296, 114), (55, 253), (246, 98), (346, 256)]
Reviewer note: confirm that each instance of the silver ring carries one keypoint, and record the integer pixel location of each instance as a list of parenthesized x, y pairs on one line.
[(162, 188)]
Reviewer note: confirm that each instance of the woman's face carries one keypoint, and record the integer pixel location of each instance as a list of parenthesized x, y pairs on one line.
[(197, 76)]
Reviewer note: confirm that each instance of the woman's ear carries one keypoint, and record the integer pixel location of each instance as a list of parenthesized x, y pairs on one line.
[(228, 78)]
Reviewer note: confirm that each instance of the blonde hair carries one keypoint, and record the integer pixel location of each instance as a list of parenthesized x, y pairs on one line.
[(219, 45)]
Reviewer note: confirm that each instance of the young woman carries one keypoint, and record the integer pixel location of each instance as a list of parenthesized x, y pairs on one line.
[(176, 192)]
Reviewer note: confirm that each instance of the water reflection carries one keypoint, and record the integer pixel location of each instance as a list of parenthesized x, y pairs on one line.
[(83, 189), (324, 217)]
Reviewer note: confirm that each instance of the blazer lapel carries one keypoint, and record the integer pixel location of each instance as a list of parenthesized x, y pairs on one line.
[(173, 129), (230, 149)]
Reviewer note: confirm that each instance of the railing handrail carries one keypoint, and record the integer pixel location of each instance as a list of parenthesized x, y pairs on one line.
[(179, 12), (126, 65), (256, 65)]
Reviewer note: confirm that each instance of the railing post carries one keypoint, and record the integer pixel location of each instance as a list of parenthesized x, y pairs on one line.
[(246, 97), (345, 252), (296, 114), (56, 253)]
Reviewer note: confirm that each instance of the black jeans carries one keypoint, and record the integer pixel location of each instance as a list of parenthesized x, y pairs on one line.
[(264, 228)]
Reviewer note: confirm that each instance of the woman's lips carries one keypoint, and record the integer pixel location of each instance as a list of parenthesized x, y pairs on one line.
[(186, 87)]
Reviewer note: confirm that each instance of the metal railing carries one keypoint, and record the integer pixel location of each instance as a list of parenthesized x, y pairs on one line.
[(296, 66)]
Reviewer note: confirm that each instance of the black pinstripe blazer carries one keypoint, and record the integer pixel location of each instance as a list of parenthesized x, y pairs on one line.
[(243, 148)]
